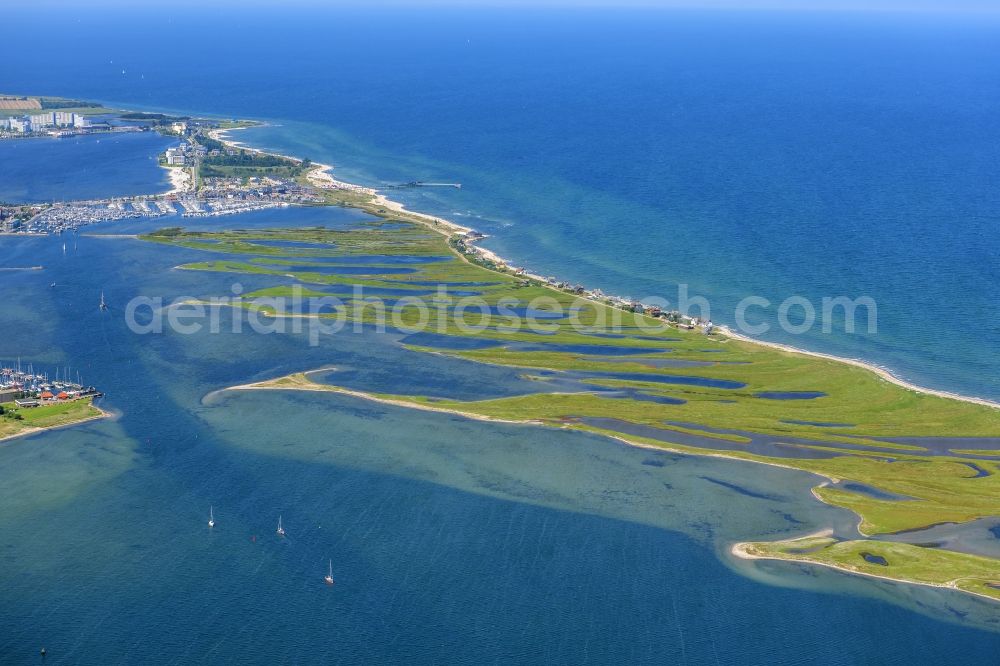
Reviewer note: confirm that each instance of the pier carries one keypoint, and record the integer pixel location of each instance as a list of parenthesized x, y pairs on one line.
[(420, 183)]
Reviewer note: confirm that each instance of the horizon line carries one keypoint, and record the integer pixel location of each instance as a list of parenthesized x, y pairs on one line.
[(783, 6)]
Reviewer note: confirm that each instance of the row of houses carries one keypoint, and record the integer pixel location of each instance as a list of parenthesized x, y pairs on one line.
[(184, 154), (48, 397), (464, 243), (629, 305), (673, 316)]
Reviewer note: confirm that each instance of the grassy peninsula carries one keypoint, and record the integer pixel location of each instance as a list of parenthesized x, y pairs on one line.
[(880, 559), (645, 381), (16, 422)]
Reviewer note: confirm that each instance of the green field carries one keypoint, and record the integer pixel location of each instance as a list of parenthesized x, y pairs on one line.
[(50, 104), (45, 416), (80, 111), (898, 561)]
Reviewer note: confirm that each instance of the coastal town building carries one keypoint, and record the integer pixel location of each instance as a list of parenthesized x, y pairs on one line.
[(22, 125), (175, 157), (40, 122)]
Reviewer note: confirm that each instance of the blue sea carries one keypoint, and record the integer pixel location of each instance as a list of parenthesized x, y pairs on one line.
[(770, 154), (764, 154)]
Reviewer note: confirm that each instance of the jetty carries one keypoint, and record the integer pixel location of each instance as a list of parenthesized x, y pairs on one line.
[(420, 183)]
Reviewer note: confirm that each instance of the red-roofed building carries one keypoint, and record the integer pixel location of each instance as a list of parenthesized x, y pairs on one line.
[(46, 395), (63, 395)]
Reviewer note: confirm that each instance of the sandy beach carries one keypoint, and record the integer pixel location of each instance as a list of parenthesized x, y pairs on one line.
[(321, 177), (272, 385), (389, 204), (739, 550), (318, 175), (180, 180), (221, 135), (871, 367)]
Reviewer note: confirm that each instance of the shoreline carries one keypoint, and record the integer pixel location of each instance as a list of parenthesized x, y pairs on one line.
[(266, 385), (739, 551), (878, 370), (319, 174), (315, 387), (35, 430), (180, 180)]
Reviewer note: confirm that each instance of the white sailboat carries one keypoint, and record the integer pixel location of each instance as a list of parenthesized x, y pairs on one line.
[(328, 579), (211, 517), (104, 305), (281, 530)]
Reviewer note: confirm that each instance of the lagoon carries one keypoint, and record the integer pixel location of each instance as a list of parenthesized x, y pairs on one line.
[(96, 166), (435, 523)]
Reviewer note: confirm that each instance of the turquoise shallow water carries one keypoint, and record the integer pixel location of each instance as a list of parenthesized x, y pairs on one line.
[(697, 157), (451, 540)]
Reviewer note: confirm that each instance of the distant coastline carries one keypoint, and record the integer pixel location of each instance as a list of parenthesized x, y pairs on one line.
[(319, 176)]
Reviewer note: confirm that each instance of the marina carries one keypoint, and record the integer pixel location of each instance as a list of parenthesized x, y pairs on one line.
[(24, 383), (59, 218)]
